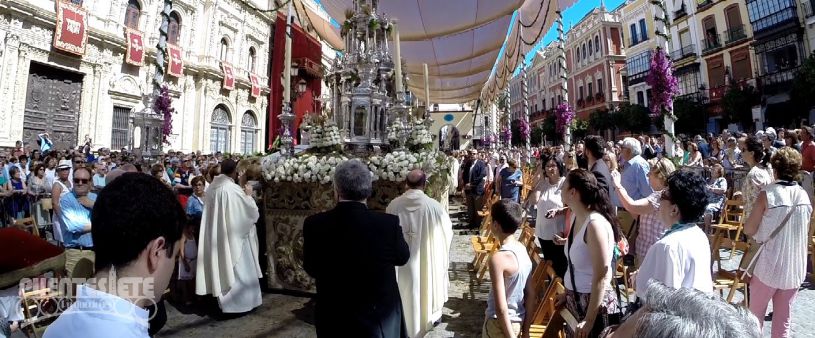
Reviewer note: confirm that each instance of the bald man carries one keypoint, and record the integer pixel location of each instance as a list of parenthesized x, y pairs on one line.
[(429, 232)]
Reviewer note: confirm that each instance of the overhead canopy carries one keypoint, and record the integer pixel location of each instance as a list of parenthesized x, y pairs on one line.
[(460, 41), (323, 28)]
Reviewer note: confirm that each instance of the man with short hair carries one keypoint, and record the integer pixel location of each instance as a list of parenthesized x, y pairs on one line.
[(594, 155), (807, 149), (476, 184), (99, 176), (428, 231), (361, 298), (138, 248), (75, 217), (228, 234)]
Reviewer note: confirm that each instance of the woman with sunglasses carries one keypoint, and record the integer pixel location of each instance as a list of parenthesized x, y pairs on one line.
[(37, 183), (650, 227), (681, 256)]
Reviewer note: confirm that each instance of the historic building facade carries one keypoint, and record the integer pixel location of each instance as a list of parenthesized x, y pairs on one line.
[(595, 56), (640, 43), (94, 78)]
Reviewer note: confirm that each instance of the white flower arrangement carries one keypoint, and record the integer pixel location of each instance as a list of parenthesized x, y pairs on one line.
[(393, 132), (392, 166), (326, 135), (419, 135)]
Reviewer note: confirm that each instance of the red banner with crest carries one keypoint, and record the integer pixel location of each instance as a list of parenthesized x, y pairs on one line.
[(255, 85), (229, 76), (176, 64), (71, 34), (135, 47)]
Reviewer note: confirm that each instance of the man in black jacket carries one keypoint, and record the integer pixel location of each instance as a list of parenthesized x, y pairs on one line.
[(476, 183), (357, 294)]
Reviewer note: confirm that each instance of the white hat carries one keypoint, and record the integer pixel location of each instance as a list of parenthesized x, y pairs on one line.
[(64, 164)]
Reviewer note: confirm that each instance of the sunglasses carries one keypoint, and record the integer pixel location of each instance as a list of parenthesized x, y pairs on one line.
[(81, 181), (79, 162)]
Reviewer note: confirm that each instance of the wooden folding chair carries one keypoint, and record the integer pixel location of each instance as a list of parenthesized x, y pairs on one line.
[(731, 279), (40, 308), (27, 224), (732, 220), (811, 246), (545, 311)]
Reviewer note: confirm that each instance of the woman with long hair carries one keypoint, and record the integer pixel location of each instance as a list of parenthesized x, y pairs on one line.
[(694, 155), (589, 250)]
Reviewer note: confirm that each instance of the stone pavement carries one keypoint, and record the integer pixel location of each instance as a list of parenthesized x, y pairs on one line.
[(292, 315)]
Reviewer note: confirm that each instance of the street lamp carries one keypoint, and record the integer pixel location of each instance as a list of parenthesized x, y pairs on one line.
[(301, 87)]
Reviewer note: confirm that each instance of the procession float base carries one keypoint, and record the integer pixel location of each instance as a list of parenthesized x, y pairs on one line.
[(287, 205)]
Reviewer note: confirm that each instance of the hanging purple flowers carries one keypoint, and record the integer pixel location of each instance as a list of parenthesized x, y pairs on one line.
[(163, 104), (523, 127), (664, 85), (506, 135), (564, 114), (487, 140)]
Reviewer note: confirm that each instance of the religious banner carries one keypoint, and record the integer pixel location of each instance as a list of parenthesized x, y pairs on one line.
[(255, 85), (176, 64), (135, 47), (71, 32), (229, 77)]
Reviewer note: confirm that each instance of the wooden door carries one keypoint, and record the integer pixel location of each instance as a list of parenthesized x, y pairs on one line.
[(52, 106)]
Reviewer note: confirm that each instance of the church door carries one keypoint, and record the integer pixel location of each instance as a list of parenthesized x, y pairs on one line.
[(52, 106)]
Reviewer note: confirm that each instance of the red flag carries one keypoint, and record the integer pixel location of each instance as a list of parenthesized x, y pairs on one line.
[(135, 47), (71, 34), (176, 67), (255, 85), (229, 77)]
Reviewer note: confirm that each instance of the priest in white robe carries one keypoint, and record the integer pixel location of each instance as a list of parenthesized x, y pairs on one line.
[(423, 281), (454, 167), (228, 266)]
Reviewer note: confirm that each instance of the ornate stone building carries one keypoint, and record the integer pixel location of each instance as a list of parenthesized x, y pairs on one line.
[(96, 89)]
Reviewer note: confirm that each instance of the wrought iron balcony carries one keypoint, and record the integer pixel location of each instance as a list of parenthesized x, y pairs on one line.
[(681, 12), (735, 34), (685, 51), (779, 81), (703, 5), (809, 8), (711, 44)]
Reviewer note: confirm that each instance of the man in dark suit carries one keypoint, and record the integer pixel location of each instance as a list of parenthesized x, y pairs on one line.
[(476, 182), (357, 294)]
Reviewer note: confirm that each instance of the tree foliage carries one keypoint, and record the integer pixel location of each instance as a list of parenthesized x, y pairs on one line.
[(601, 120), (691, 116), (737, 104), (633, 117), (803, 87)]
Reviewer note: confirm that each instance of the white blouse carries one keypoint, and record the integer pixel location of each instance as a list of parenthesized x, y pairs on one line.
[(679, 260), (550, 198), (781, 264)]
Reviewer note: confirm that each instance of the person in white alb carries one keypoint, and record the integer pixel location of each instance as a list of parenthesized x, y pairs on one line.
[(428, 232), (681, 256), (780, 220), (228, 266)]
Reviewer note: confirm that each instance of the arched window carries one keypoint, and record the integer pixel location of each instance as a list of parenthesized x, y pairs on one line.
[(174, 28), (224, 49), (252, 59), (597, 44), (220, 127), (584, 50), (249, 132), (591, 50), (132, 14)]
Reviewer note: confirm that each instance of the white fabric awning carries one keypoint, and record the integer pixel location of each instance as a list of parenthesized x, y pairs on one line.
[(460, 41)]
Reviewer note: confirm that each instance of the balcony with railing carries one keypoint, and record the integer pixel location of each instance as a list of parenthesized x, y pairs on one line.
[(787, 16), (703, 5), (681, 12), (711, 44), (809, 8), (778, 81), (735, 35), (685, 51)]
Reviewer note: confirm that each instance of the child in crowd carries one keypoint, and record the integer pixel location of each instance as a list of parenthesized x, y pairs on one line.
[(187, 262)]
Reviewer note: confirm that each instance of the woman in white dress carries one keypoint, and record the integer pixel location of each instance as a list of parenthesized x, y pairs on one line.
[(780, 220), (550, 220)]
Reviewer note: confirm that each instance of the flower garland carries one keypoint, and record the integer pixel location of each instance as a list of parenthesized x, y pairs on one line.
[(163, 104), (325, 136), (420, 136), (523, 128), (564, 114), (313, 168), (663, 85)]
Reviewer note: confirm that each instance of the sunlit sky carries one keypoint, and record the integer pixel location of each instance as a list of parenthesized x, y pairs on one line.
[(570, 16)]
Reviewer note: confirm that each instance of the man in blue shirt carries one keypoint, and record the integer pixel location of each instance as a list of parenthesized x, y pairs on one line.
[(634, 171), (75, 218), (137, 228)]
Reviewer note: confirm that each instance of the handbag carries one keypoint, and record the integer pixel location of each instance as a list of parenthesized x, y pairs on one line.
[(755, 251), (611, 318)]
